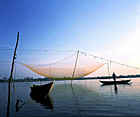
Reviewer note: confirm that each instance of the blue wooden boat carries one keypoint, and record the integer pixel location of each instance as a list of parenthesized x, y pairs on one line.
[(116, 82)]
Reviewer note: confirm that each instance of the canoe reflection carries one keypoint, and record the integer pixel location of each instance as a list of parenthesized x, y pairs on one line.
[(115, 86), (46, 102), (115, 89)]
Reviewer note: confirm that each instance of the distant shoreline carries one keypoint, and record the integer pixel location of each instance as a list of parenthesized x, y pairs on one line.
[(30, 79)]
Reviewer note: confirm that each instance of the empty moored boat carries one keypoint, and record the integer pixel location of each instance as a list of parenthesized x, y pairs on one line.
[(41, 90)]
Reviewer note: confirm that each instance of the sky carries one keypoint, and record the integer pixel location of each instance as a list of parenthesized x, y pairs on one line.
[(105, 28)]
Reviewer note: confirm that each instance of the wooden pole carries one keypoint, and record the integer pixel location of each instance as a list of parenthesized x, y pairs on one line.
[(10, 79), (75, 66), (108, 69)]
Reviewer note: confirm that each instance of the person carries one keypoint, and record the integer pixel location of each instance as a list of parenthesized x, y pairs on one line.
[(114, 77)]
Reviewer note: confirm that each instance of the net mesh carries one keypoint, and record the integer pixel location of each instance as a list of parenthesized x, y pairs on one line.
[(67, 68)]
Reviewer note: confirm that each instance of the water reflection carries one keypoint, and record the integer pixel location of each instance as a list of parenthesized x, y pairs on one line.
[(76, 99), (115, 89), (18, 107), (82, 98), (116, 86), (46, 102)]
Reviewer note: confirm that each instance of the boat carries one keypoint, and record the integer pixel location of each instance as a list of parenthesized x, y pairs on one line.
[(41, 90), (116, 82)]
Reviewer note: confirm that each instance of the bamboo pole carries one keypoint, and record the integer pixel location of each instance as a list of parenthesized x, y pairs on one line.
[(75, 66), (11, 75)]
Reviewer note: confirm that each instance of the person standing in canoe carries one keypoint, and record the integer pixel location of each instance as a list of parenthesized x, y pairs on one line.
[(114, 76)]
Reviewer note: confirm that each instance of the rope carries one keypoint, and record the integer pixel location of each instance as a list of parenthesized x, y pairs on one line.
[(6, 49), (14, 85), (110, 61), (40, 50), (89, 58), (51, 63), (108, 69), (73, 51), (80, 52), (59, 61), (4, 71), (5, 61), (6, 46)]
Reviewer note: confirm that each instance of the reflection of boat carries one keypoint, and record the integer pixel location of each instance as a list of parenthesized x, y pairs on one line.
[(46, 102), (41, 90), (116, 82)]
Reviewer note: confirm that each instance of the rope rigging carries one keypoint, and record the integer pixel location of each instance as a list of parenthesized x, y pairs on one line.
[(68, 51), (53, 70), (74, 66), (57, 61), (5, 70), (71, 51), (14, 84), (110, 61), (41, 50), (19, 99)]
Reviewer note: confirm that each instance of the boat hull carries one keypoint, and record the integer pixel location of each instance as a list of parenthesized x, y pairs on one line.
[(41, 90), (116, 82)]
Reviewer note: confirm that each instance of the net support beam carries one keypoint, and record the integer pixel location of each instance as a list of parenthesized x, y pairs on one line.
[(75, 65)]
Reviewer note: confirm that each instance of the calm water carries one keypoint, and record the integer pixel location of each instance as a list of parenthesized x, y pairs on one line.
[(83, 98)]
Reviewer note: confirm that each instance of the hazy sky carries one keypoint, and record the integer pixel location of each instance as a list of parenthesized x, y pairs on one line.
[(105, 28)]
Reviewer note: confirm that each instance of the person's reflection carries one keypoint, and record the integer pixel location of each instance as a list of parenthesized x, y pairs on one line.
[(17, 105), (17, 108), (115, 89)]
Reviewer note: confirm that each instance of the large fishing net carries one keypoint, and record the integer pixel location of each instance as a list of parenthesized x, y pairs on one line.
[(75, 66)]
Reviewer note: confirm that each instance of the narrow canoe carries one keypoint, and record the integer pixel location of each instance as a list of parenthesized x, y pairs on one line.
[(41, 90), (116, 82)]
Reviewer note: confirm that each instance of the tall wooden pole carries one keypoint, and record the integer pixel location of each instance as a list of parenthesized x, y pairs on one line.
[(10, 79), (75, 66)]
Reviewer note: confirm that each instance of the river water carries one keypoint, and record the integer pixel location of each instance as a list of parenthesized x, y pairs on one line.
[(82, 98)]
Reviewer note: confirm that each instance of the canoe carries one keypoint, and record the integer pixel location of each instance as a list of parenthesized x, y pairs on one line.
[(41, 90), (116, 82)]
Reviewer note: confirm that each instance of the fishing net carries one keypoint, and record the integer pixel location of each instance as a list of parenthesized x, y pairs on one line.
[(75, 66)]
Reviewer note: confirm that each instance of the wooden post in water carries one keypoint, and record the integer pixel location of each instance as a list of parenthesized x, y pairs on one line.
[(75, 66), (10, 79)]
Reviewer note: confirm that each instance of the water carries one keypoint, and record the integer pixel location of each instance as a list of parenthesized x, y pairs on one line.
[(83, 98)]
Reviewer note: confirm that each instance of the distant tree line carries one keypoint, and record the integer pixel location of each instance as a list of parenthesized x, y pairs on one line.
[(31, 79), (25, 79), (121, 76)]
